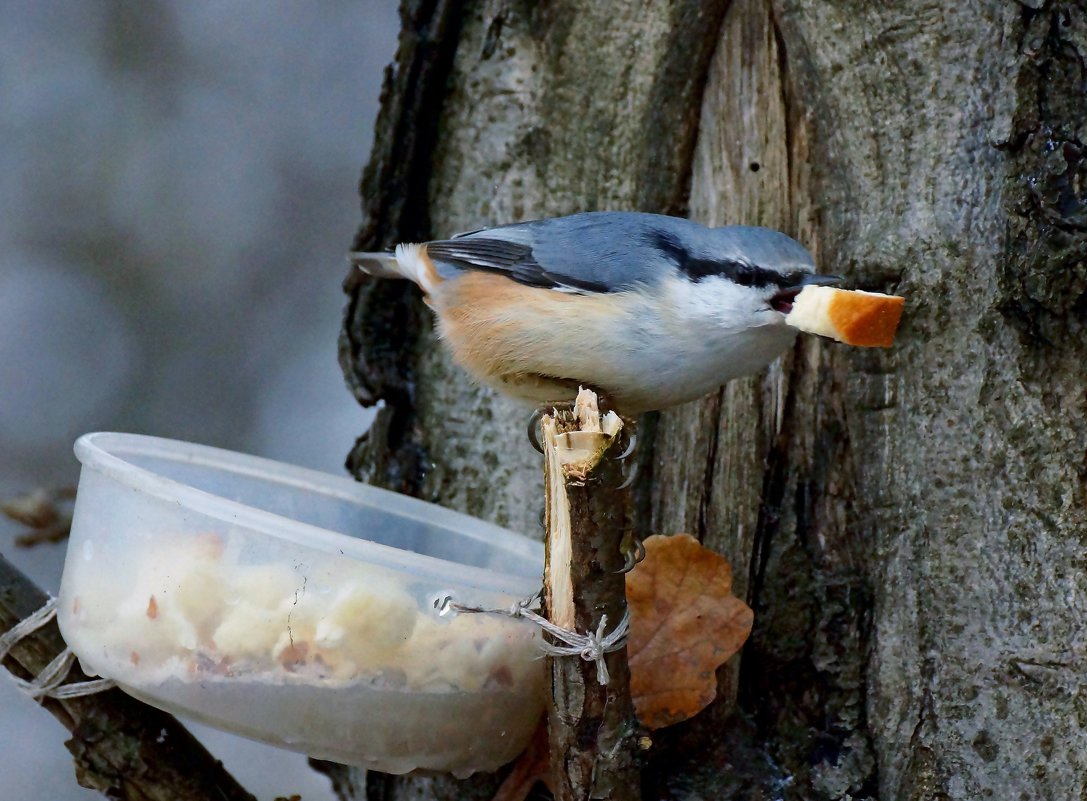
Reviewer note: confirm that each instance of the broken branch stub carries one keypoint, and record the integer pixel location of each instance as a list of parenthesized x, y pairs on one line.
[(594, 735)]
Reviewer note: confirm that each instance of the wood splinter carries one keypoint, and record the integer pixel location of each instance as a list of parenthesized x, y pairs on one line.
[(595, 738)]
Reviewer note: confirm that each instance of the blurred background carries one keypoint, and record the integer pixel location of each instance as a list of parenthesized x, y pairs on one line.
[(177, 192)]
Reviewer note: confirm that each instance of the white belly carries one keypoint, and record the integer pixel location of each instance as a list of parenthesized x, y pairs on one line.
[(665, 368), (538, 345)]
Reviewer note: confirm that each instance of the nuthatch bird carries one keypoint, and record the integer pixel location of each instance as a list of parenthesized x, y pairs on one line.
[(651, 311)]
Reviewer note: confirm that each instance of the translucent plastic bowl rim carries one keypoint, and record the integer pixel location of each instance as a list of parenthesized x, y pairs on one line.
[(94, 452)]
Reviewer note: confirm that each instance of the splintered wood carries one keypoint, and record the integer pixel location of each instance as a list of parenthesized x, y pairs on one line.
[(573, 443), (593, 731), (586, 437)]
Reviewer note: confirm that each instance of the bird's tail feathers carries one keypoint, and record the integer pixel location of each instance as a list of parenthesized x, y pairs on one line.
[(409, 261), (379, 265)]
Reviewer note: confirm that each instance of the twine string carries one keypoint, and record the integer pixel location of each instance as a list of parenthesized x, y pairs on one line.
[(592, 646), (49, 683), (27, 626)]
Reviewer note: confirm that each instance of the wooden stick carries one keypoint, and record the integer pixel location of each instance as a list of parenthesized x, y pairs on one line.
[(121, 747), (594, 734)]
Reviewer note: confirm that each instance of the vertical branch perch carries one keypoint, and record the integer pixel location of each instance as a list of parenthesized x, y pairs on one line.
[(593, 731)]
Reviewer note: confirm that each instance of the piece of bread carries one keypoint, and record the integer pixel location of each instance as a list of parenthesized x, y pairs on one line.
[(866, 319)]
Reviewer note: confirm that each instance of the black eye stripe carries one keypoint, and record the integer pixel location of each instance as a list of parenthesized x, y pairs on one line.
[(743, 273)]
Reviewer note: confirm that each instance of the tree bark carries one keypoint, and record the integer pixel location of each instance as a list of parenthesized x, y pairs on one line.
[(908, 525)]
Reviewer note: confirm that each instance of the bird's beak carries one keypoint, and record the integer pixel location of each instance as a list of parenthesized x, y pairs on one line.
[(818, 280), (783, 300)]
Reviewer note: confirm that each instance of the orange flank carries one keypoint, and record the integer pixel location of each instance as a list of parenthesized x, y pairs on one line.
[(500, 329)]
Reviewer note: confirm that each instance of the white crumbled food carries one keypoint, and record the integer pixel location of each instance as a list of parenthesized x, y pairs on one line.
[(317, 653), (171, 605), (811, 311), (367, 624), (250, 631), (194, 610), (264, 586)]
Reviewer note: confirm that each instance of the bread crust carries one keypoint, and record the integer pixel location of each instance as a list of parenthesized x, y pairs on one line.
[(863, 319)]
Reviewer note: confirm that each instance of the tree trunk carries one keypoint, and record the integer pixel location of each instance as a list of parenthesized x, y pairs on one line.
[(909, 525)]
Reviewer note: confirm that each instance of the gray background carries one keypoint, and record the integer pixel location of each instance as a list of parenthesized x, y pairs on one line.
[(177, 190)]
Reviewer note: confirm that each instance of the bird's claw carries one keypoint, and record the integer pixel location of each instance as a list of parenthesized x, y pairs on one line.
[(534, 428), (629, 440), (633, 551)]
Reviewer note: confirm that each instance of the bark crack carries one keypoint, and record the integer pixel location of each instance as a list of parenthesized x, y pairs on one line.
[(710, 471)]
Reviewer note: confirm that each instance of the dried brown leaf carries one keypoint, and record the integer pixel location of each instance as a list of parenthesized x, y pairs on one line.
[(684, 623), (47, 512)]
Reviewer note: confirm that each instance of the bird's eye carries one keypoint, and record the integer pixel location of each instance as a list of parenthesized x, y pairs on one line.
[(745, 274)]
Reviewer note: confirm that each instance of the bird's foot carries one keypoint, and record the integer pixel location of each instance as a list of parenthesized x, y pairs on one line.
[(632, 550)]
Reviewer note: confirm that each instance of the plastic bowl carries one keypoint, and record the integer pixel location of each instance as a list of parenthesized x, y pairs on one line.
[(299, 608)]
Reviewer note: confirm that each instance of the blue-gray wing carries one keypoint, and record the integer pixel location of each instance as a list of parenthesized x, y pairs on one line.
[(516, 260), (616, 251), (590, 252)]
